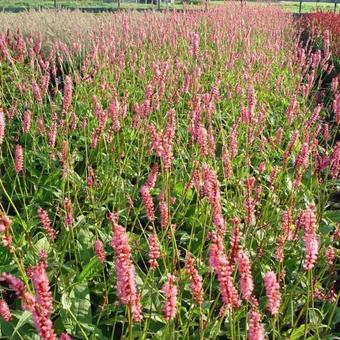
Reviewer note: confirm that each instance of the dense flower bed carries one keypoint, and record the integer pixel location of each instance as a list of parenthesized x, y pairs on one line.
[(167, 175), (319, 22)]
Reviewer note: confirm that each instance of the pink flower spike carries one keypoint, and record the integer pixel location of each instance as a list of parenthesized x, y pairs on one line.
[(154, 251), (255, 330), (19, 158), (99, 250), (170, 290), (65, 336), (5, 313), (2, 126), (307, 221), (125, 270), (67, 94), (46, 224), (148, 202), (196, 282), (27, 121), (246, 278), (36, 91), (272, 292)]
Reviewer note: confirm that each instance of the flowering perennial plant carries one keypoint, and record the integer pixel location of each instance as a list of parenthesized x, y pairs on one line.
[(209, 136)]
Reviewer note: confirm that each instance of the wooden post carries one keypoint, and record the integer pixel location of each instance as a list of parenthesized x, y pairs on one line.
[(159, 5), (300, 6), (55, 3), (118, 3), (335, 3)]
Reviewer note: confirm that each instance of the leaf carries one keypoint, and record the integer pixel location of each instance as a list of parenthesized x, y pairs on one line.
[(24, 318), (333, 215), (297, 333), (80, 303), (90, 270), (84, 244)]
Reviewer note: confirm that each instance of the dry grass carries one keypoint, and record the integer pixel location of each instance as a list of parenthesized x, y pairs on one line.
[(61, 25)]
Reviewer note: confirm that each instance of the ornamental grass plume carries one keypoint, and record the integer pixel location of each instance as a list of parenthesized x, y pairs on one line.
[(125, 270), (170, 291), (272, 292), (196, 282)]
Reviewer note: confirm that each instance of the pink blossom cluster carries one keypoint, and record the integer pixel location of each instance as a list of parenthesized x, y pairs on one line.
[(221, 266), (272, 292), (212, 193), (196, 282), (170, 292), (125, 271), (307, 221), (154, 250)]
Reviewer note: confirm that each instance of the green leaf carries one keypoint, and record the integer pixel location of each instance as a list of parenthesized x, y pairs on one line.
[(333, 215), (90, 270), (24, 318), (80, 303), (297, 333)]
